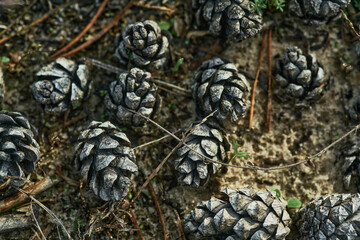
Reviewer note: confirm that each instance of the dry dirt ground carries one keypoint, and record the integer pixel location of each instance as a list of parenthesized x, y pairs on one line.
[(296, 132)]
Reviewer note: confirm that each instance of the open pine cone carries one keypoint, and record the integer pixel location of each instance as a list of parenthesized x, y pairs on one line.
[(132, 91), (143, 45), (335, 216), (19, 150), (62, 84), (231, 19), (299, 77), (239, 215), (103, 154), (209, 140), (217, 85), (317, 12)]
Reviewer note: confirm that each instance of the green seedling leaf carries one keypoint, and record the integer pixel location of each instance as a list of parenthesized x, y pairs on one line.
[(278, 193), (178, 63), (236, 151), (5, 59), (164, 25), (293, 203)]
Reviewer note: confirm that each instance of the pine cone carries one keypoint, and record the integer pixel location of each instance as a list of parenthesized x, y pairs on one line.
[(143, 45), (19, 151), (217, 85), (133, 91), (332, 217), (61, 84), (2, 87), (104, 155), (209, 140), (317, 12), (351, 164), (232, 19), (354, 106), (240, 215), (300, 77)]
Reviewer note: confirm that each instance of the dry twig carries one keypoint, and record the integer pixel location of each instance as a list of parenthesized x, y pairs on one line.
[(133, 220), (256, 80), (350, 23), (103, 31), (86, 29), (19, 198), (158, 209), (36, 22), (153, 141), (268, 108), (158, 8), (13, 222)]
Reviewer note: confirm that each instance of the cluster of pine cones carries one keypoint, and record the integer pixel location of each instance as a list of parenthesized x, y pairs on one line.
[(106, 160)]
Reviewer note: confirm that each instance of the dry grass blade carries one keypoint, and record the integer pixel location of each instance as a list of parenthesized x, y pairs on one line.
[(102, 32), (253, 94), (159, 8), (47, 210), (158, 209), (133, 220), (350, 23), (154, 141), (83, 32)]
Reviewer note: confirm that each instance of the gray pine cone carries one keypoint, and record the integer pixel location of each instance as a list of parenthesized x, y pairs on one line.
[(19, 151), (317, 12), (217, 85), (333, 217), (143, 45), (354, 106), (300, 77), (104, 156), (132, 91), (62, 84), (240, 215), (233, 19), (2, 87), (351, 164), (208, 139)]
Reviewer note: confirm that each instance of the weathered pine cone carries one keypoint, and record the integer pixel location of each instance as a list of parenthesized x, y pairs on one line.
[(300, 77), (217, 85), (143, 45), (240, 215), (2, 87), (354, 106), (62, 84), (209, 140), (351, 164), (233, 19), (104, 156), (332, 217), (317, 12), (19, 150), (132, 91)]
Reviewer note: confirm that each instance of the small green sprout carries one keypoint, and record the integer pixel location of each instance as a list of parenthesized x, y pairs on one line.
[(278, 193), (237, 153), (5, 59), (178, 63), (293, 203)]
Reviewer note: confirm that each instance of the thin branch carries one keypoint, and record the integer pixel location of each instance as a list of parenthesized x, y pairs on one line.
[(103, 31), (181, 142), (158, 209), (117, 70), (36, 221), (18, 18), (86, 29), (256, 80), (350, 23), (5, 39), (268, 108), (153, 141), (51, 213), (133, 220)]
